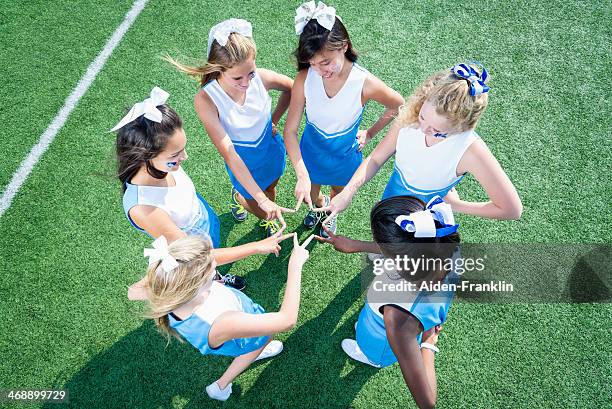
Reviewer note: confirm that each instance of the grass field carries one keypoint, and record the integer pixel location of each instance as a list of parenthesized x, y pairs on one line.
[(67, 253)]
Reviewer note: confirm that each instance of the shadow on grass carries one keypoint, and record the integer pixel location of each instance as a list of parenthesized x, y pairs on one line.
[(309, 373), (141, 371), (590, 280)]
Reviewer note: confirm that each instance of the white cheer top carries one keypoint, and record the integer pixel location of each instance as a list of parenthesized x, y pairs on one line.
[(180, 201), (337, 114), (245, 124)]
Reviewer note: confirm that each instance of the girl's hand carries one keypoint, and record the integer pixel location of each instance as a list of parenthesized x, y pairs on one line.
[(337, 204), (274, 129), (431, 335), (271, 244), (341, 243), (274, 211), (452, 197), (302, 192), (299, 255), (362, 139)]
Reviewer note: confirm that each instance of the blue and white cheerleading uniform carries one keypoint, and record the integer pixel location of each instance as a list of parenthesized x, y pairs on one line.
[(426, 171), (249, 126), (185, 207), (196, 327), (329, 143), (430, 308)]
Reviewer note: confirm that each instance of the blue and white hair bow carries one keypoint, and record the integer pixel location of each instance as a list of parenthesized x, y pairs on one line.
[(148, 108), (422, 223), (222, 31), (325, 16), (160, 252), (473, 77)]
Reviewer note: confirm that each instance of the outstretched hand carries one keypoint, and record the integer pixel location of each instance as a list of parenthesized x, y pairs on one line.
[(341, 243), (274, 211), (300, 254), (336, 205), (302, 192), (271, 244)]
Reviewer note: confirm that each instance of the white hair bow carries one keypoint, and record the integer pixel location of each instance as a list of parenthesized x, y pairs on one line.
[(325, 15), (148, 108), (222, 31), (160, 252), (422, 223)]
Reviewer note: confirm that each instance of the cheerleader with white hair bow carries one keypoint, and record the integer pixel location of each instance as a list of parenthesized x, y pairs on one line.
[(159, 198), (234, 105)]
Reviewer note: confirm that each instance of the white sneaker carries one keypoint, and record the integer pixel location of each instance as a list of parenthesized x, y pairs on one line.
[(374, 256), (272, 349), (214, 392), (352, 349)]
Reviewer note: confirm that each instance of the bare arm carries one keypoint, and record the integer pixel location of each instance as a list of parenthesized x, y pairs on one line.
[(294, 117), (375, 89), (366, 171), (417, 365), (505, 202), (234, 324), (156, 222), (279, 82), (209, 115), (344, 244), (372, 164), (266, 246)]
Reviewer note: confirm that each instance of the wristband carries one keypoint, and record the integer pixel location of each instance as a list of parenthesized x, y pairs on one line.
[(429, 346)]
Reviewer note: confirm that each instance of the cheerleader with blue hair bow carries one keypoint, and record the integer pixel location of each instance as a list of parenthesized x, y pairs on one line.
[(400, 323), (436, 145)]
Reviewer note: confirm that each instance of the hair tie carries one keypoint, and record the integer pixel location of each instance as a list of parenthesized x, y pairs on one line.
[(422, 223), (160, 252)]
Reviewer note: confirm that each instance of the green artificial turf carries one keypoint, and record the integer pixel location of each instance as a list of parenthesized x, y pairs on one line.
[(67, 253)]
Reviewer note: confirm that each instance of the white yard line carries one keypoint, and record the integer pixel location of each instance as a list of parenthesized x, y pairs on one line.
[(20, 176)]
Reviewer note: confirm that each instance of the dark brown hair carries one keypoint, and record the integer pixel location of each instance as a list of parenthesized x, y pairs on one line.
[(315, 38), (394, 241), (142, 140)]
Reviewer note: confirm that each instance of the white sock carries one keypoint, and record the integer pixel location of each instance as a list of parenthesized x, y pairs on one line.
[(215, 392)]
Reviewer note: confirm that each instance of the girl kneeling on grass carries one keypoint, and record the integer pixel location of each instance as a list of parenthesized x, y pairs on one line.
[(186, 302), (403, 325), (158, 196)]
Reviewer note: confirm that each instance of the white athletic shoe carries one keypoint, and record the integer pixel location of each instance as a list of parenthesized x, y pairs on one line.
[(352, 349), (272, 349), (374, 256), (214, 392)]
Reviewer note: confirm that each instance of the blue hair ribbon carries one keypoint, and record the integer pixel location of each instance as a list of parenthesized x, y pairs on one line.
[(475, 79), (422, 223)]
